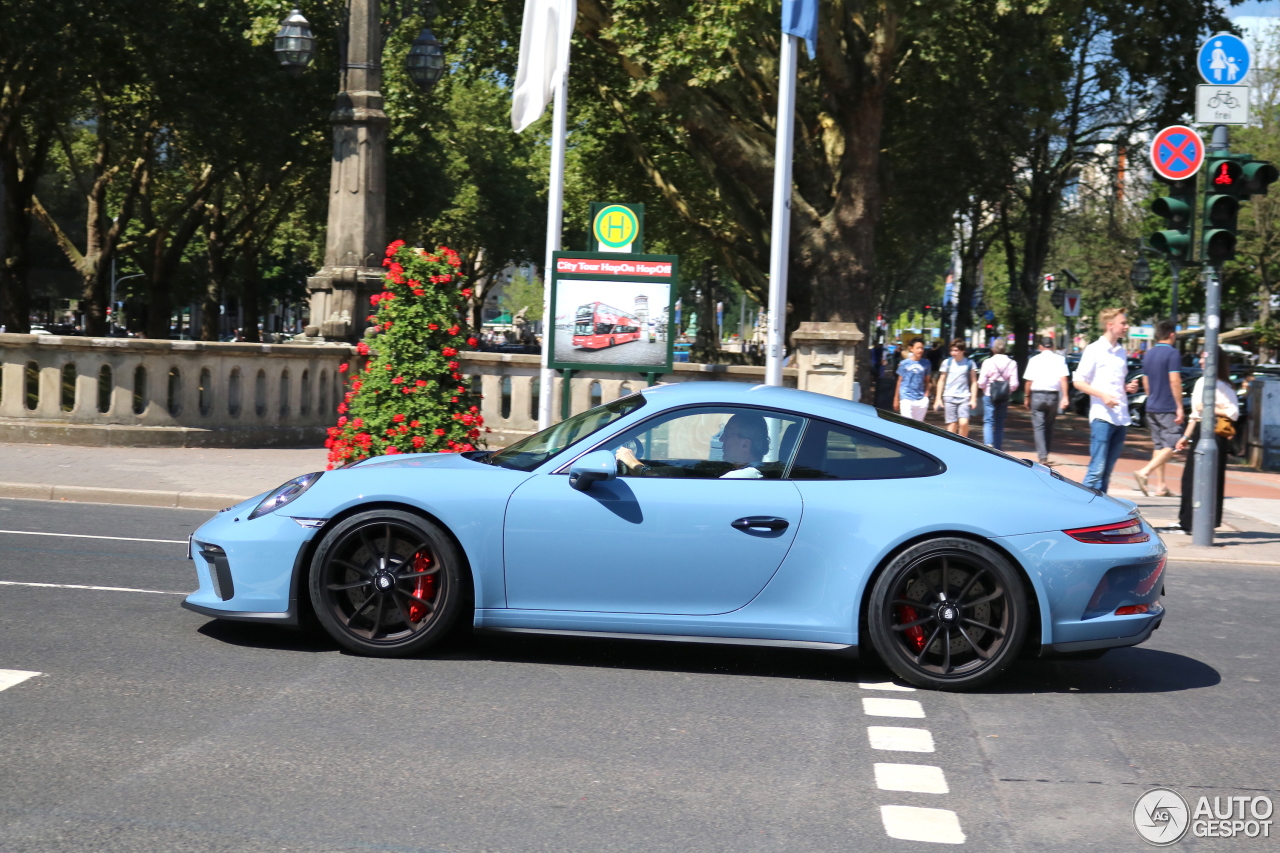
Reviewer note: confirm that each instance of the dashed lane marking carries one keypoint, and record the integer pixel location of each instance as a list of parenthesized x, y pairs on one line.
[(917, 778), (99, 588), (910, 823), (885, 685), (87, 536), (10, 677), (900, 739), (877, 707)]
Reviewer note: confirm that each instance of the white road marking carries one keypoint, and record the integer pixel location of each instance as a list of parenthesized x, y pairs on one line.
[(877, 707), (99, 588), (10, 677), (86, 536), (918, 778), (910, 823), (885, 685), (900, 739)]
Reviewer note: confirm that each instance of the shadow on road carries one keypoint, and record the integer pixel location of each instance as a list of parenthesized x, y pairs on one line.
[(259, 636), (1130, 670)]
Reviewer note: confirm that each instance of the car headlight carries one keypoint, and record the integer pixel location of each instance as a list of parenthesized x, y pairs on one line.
[(284, 494)]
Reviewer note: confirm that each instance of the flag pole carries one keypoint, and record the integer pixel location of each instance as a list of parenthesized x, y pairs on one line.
[(779, 244), (555, 221)]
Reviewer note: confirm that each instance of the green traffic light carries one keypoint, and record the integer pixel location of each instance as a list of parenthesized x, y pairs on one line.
[(1173, 243), (1219, 245), (1258, 176), (1220, 211), (1175, 209)]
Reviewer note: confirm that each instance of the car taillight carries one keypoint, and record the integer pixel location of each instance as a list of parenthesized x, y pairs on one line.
[(1126, 532)]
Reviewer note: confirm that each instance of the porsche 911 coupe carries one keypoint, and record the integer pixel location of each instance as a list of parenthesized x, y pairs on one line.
[(710, 512)]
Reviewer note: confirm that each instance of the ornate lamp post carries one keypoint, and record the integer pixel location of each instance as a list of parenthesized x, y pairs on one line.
[(356, 235)]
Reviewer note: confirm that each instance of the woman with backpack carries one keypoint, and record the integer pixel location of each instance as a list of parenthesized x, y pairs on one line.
[(998, 381)]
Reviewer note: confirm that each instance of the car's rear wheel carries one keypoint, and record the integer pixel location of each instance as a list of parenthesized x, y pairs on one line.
[(948, 614), (386, 583)]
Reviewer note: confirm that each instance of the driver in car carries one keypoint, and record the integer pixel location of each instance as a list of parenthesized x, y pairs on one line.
[(743, 441)]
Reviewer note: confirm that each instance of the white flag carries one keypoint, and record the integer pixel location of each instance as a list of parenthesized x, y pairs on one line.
[(544, 57)]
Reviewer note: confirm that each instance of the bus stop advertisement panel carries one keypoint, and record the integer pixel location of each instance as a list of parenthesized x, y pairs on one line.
[(612, 312)]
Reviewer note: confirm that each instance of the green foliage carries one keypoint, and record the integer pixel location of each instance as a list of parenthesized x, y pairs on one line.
[(410, 397), (523, 292)]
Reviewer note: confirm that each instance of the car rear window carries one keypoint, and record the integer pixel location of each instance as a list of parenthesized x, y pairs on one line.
[(830, 452), (894, 417)]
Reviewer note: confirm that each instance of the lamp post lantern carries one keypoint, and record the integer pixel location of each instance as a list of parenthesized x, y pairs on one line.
[(356, 236), (295, 46), (425, 61)]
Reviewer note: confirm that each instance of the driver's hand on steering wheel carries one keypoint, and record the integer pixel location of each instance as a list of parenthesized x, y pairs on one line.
[(627, 458)]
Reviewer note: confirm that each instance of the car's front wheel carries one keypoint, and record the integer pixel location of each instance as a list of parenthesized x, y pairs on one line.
[(948, 614), (386, 583)]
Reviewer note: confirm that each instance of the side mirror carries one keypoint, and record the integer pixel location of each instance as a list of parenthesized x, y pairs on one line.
[(596, 465)]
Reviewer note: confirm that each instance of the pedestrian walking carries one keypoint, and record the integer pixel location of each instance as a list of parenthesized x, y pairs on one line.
[(957, 389), (1226, 411), (998, 381), (1101, 374), (1162, 380), (1046, 376), (911, 395)]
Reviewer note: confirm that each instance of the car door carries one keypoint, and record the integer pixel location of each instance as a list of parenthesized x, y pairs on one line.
[(688, 531)]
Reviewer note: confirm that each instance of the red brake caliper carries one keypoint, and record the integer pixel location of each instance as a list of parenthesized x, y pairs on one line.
[(423, 588), (914, 634)]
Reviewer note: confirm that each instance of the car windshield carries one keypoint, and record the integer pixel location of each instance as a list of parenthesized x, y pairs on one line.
[(529, 453)]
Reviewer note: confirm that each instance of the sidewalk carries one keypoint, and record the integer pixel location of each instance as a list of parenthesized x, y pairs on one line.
[(212, 478), (189, 477), (1250, 532)]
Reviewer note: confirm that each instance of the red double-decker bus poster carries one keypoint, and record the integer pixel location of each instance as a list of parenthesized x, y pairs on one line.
[(612, 312)]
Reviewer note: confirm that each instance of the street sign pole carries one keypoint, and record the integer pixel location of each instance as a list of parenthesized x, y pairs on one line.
[(1204, 495), (1174, 269)]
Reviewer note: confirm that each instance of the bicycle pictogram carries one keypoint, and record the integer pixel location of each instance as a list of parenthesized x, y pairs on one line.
[(1223, 99)]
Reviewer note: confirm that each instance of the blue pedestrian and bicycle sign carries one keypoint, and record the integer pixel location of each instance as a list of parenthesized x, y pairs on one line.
[(1177, 153), (1223, 59)]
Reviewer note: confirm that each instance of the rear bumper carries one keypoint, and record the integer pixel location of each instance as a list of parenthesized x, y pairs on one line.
[(1152, 623)]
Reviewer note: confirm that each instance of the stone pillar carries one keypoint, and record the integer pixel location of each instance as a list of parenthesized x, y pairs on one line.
[(825, 358), (356, 236)]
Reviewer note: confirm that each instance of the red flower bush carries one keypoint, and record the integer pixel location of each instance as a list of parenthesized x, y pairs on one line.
[(418, 332)]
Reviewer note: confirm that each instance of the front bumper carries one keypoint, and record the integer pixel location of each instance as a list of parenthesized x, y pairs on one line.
[(252, 573)]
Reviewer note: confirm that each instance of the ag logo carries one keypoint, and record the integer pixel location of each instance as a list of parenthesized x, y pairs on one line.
[(616, 227), (1161, 816)]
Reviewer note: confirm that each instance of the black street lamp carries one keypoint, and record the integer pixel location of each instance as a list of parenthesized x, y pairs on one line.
[(295, 46), (1140, 275), (426, 60)]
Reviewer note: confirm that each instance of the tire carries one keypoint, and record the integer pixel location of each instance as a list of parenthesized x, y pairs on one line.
[(948, 614), (386, 607)]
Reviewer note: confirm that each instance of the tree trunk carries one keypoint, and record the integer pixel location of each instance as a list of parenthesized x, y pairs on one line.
[(251, 301)]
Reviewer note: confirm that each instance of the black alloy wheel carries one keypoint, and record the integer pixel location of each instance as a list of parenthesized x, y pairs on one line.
[(948, 614), (386, 583)]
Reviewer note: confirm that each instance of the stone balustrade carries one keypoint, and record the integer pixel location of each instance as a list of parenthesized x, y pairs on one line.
[(511, 387), (125, 391)]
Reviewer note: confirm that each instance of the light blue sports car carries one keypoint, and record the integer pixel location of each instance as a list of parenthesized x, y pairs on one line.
[(703, 512)]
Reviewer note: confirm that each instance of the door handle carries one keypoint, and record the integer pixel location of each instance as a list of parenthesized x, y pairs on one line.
[(761, 523)]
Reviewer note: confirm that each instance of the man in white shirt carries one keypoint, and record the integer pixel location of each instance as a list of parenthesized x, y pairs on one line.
[(1046, 376), (1101, 374)]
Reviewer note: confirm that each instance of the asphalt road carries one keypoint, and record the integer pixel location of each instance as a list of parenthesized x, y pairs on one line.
[(633, 352), (151, 728)]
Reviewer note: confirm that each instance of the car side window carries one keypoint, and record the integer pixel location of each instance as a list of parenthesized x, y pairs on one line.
[(830, 452), (708, 443)]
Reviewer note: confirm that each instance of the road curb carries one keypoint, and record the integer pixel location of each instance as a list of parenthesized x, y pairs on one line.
[(1265, 563), (125, 497)]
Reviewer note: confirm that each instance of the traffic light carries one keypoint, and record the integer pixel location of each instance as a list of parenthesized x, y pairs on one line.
[(1232, 179), (1048, 283), (1176, 210), (1226, 186)]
